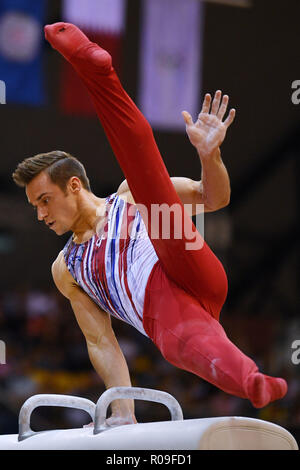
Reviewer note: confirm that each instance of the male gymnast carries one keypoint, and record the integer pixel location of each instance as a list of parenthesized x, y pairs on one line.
[(113, 265)]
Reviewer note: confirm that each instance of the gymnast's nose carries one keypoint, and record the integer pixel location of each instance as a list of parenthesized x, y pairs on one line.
[(41, 213)]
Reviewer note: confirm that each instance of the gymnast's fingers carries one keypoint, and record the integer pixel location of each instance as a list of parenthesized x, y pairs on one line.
[(187, 118), (223, 107), (230, 118)]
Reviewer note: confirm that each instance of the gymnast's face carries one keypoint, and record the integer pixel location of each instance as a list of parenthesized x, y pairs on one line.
[(58, 209)]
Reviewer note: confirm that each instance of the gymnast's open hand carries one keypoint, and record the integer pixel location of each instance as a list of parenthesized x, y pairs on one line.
[(209, 131)]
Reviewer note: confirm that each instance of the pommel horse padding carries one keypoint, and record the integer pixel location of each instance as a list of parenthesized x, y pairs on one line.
[(220, 433)]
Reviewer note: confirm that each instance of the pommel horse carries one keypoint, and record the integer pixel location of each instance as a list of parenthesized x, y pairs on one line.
[(219, 433)]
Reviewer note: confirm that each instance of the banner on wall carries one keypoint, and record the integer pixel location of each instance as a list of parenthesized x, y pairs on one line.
[(21, 50), (170, 61), (103, 21)]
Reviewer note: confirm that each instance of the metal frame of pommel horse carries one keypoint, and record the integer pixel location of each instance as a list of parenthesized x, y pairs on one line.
[(220, 433)]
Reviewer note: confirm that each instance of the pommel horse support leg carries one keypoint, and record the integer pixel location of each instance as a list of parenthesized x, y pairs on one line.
[(222, 433)]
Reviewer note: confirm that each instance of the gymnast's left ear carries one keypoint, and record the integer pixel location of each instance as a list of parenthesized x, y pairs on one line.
[(75, 184)]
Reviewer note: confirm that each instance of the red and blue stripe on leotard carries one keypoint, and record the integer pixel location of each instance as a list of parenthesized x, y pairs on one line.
[(114, 265)]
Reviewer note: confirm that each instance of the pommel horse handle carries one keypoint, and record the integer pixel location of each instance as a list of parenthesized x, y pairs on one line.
[(67, 401), (116, 393)]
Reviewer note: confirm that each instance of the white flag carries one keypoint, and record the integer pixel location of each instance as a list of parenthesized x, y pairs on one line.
[(96, 15), (170, 61)]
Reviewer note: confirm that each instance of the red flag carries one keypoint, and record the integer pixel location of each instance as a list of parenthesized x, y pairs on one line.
[(103, 21)]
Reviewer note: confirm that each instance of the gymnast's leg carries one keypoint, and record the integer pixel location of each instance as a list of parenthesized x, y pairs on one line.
[(191, 339), (198, 272)]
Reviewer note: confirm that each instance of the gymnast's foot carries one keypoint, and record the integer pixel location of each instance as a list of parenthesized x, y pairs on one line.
[(67, 39), (262, 389)]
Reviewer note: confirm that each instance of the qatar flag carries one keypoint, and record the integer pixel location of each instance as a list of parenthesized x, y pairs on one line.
[(170, 61), (103, 21)]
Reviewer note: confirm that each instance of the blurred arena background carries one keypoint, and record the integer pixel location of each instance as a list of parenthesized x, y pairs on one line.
[(248, 49)]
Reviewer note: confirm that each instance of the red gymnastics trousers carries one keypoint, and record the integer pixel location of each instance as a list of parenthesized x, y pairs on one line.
[(187, 288)]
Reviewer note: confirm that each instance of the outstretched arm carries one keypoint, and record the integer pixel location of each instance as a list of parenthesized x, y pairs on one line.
[(207, 134), (103, 348)]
